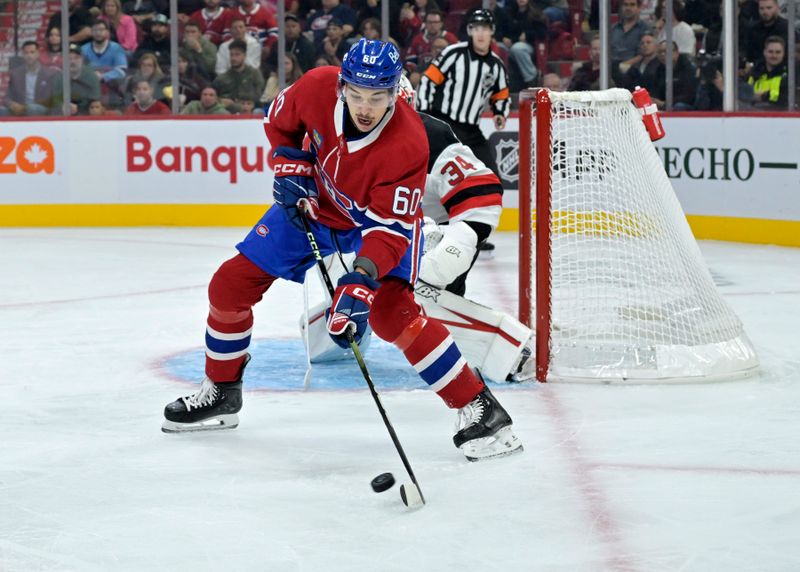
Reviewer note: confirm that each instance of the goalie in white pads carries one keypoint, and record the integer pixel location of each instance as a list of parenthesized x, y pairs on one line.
[(462, 204)]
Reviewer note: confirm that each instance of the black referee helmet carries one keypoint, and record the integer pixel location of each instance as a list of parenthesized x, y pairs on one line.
[(481, 16)]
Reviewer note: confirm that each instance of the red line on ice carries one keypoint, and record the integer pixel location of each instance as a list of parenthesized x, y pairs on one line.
[(596, 505)]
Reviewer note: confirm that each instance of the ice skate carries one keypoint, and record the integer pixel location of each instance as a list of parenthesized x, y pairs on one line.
[(214, 406), (484, 429)]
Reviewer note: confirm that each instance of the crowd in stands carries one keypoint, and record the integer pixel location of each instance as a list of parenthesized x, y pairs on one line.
[(119, 56)]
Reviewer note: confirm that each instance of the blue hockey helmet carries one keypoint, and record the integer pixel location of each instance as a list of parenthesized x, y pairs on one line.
[(372, 64)]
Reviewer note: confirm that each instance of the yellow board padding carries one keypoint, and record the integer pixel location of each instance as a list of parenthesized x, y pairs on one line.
[(732, 229), (753, 230), (735, 229)]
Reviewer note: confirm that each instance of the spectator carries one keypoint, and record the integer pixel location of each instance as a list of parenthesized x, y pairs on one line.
[(199, 50), (30, 88), (458, 98), (682, 33), (191, 82), (413, 15), (208, 104), (107, 59), (366, 9), (769, 77), (298, 44), (552, 82), (700, 12), (259, 23), (643, 72), (293, 73), (770, 23), (587, 77), (318, 21), (557, 11), (211, 20), (526, 27), (156, 42), (626, 36), (334, 43), (80, 22), (146, 69), (247, 105), (97, 109), (323, 60), (684, 80), (84, 85), (420, 52), (371, 29), (239, 79), (142, 11), (711, 85), (51, 56), (144, 103), (239, 34), (123, 27)]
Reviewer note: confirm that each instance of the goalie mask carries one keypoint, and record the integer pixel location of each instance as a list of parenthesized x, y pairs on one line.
[(405, 91)]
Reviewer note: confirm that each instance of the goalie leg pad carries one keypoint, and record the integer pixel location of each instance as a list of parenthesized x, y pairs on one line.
[(234, 289), (321, 348), (426, 344), (490, 340)]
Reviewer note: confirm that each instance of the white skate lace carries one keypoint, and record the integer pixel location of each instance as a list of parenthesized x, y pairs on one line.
[(470, 413), (206, 396)]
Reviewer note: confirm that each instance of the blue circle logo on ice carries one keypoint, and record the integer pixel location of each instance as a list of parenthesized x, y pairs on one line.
[(280, 365)]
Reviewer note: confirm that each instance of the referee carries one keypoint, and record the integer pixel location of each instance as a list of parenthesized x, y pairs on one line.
[(456, 86)]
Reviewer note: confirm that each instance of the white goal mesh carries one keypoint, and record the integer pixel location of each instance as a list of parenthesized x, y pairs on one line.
[(631, 297)]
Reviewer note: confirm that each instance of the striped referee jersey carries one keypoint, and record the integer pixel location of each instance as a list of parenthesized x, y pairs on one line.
[(459, 82)]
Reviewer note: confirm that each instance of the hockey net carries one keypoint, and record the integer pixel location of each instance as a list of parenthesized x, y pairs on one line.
[(614, 278)]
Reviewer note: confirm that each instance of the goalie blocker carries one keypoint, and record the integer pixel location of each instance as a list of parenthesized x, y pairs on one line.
[(495, 343)]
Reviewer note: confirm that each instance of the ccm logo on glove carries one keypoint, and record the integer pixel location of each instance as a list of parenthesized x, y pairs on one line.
[(283, 169), (351, 304)]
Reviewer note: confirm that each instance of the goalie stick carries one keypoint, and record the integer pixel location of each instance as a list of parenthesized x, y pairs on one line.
[(359, 358)]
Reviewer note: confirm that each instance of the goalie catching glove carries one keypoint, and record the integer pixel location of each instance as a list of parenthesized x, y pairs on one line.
[(451, 257), (294, 183), (351, 304)]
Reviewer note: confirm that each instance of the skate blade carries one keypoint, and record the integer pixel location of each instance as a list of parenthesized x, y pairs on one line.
[(501, 444), (212, 424)]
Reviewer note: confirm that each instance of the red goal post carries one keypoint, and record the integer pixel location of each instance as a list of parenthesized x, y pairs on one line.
[(612, 280)]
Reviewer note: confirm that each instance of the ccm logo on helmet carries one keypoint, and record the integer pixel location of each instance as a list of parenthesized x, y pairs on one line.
[(293, 169)]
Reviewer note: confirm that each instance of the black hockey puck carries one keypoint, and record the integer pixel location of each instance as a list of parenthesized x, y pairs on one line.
[(382, 482)]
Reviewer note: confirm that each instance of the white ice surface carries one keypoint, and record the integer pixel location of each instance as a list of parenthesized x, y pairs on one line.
[(640, 478)]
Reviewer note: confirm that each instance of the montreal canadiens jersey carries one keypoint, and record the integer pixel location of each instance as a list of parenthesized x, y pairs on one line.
[(459, 187), (373, 182)]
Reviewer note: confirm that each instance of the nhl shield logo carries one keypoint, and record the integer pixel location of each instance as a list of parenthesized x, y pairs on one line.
[(507, 153)]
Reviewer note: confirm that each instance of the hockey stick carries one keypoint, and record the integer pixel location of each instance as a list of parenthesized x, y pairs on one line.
[(408, 499), (307, 377)]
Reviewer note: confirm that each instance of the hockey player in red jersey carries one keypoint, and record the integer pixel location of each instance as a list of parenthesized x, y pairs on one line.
[(362, 181), (462, 205)]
